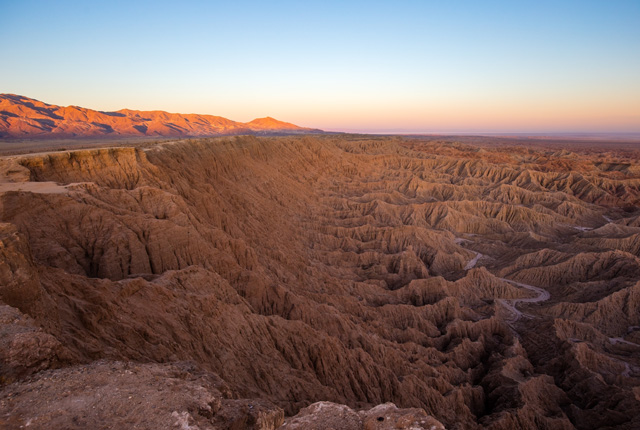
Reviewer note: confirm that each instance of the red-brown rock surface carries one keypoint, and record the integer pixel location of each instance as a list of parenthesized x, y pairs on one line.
[(476, 286), (326, 415)]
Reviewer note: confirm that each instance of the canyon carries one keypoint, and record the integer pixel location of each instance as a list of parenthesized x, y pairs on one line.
[(321, 281)]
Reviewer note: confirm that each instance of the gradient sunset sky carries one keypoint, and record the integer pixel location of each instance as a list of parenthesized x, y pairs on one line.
[(395, 66)]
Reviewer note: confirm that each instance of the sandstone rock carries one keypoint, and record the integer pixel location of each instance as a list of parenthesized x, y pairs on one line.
[(327, 415), (324, 416), (388, 416)]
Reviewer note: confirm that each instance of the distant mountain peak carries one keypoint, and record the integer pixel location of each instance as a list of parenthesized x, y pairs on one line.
[(23, 117), (269, 123)]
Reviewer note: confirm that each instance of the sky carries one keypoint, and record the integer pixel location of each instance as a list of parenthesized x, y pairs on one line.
[(369, 66)]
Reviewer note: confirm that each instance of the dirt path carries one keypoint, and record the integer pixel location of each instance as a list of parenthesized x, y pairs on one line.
[(472, 263), (511, 304), (615, 340), (34, 187)]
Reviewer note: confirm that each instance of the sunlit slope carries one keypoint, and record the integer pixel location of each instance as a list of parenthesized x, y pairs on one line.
[(22, 117)]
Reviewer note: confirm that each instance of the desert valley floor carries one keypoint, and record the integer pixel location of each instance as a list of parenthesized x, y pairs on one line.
[(229, 283)]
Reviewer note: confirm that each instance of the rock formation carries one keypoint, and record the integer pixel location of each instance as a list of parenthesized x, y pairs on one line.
[(349, 270)]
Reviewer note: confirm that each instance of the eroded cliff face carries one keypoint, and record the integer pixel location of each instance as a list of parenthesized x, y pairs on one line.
[(352, 270)]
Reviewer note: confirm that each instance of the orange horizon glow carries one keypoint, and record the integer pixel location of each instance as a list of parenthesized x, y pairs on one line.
[(418, 67)]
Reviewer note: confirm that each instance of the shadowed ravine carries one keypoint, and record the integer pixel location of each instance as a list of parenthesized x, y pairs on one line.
[(261, 275)]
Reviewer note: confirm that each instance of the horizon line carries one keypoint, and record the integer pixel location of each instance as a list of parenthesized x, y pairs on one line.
[(635, 134)]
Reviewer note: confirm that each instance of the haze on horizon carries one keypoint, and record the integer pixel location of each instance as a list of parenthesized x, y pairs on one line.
[(363, 66)]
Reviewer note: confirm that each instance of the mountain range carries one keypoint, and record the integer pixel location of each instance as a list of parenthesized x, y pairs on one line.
[(23, 117)]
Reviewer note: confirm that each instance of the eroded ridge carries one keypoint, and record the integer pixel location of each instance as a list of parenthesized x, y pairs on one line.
[(492, 287)]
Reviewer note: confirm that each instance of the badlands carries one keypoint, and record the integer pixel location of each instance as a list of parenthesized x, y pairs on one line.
[(321, 281)]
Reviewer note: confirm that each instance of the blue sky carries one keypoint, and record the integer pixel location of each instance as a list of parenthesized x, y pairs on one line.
[(370, 66)]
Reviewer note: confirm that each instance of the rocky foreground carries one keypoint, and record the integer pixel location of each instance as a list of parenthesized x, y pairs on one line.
[(320, 282)]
